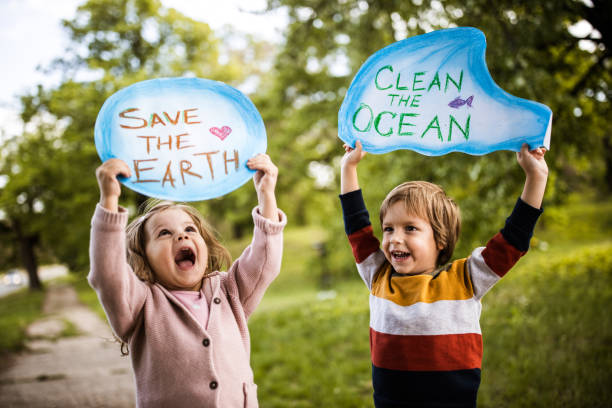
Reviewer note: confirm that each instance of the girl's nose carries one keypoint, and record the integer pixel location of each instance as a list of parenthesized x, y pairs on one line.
[(183, 236)]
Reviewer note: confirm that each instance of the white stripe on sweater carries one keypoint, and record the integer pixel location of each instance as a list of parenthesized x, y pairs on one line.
[(367, 269), (441, 317), (483, 277)]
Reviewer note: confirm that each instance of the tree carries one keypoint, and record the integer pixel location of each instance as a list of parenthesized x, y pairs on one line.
[(534, 54), (22, 198), (51, 189), (531, 54)]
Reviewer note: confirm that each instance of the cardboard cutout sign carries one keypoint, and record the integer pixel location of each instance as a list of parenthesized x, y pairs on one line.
[(185, 139), (433, 94)]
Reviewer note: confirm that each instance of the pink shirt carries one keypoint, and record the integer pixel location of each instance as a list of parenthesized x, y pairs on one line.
[(195, 302)]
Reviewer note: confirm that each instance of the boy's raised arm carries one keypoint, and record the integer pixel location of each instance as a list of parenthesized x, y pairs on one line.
[(536, 174), (348, 168)]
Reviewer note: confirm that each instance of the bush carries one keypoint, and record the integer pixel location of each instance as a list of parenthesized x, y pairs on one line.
[(547, 334)]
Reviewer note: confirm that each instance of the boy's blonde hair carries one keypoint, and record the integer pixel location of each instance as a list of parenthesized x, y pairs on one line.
[(218, 255), (429, 202)]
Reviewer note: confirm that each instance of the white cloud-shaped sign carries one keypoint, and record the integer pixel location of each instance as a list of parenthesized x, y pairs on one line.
[(433, 94), (185, 139)]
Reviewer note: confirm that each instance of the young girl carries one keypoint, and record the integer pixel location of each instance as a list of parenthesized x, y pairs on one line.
[(184, 321)]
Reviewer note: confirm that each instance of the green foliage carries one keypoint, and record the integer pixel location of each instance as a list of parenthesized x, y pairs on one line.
[(545, 326), (313, 353), (547, 334), (17, 311), (545, 330), (530, 54)]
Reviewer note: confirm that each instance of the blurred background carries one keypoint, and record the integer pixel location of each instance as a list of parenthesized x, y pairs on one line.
[(547, 327)]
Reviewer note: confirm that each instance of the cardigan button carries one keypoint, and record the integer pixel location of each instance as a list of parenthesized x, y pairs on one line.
[(217, 300), (206, 342), (213, 385)]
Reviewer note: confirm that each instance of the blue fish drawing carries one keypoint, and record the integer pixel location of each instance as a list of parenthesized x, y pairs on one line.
[(458, 102)]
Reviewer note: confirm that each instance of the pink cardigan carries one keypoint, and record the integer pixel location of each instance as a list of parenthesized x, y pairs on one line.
[(176, 361)]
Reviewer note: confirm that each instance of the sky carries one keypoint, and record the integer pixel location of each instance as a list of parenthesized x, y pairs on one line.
[(31, 36)]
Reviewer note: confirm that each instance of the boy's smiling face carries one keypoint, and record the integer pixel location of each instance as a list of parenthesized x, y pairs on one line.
[(408, 241), (175, 250)]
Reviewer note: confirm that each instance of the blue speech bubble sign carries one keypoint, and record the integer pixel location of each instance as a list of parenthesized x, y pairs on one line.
[(433, 94), (185, 139)]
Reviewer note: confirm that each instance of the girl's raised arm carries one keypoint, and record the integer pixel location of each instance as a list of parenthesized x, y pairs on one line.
[(265, 183), (121, 293), (110, 189)]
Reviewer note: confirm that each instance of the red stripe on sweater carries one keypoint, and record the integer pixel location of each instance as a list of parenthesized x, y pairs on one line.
[(500, 255), (426, 353), (364, 243)]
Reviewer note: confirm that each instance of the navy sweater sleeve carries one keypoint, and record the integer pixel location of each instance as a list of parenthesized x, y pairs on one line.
[(520, 225), (354, 211)]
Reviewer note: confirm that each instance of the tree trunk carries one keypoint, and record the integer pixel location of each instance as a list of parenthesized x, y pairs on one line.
[(27, 246)]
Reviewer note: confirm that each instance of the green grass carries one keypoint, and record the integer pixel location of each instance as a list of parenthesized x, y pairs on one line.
[(547, 333), (17, 311), (22, 308), (546, 326), (313, 353)]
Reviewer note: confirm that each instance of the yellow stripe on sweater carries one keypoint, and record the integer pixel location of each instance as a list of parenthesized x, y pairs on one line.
[(451, 284)]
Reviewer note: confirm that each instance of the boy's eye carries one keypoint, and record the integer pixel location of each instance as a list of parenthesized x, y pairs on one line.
[(388, 229), (410, 228)]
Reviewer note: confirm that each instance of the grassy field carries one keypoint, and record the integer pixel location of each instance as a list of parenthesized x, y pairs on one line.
[(17, 311), (546, 326)]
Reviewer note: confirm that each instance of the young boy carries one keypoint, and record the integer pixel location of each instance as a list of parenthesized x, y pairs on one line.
[(425, 337)]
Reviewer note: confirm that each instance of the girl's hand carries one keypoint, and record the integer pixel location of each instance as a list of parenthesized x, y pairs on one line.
[(265, 183), (352, 156), (533, 162), (267, 173), (110, 188)]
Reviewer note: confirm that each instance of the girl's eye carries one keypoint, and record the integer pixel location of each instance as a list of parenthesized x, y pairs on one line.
[(388, 229), (190, 228), (410, 228), (163, 232)]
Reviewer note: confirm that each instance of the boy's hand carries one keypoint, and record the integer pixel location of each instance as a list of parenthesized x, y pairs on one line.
[(352, 156), (265, 183), (110, 188), (532, 162), (348, 167), (536, 174)]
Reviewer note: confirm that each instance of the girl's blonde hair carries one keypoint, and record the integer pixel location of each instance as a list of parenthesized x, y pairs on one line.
[(429, 202), (218, 255)]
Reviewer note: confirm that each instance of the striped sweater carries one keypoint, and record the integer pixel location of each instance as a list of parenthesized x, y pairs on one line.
[(425, 337)]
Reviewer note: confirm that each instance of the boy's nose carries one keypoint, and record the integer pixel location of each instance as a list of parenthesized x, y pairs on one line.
[(395, 238)]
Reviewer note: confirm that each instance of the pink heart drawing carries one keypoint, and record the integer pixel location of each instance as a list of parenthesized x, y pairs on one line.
[(221, 133)]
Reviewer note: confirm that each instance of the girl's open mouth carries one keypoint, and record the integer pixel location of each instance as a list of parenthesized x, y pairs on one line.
[(185, 258)]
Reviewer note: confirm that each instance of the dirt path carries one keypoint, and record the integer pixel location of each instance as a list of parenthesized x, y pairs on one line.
[(84, 370)]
